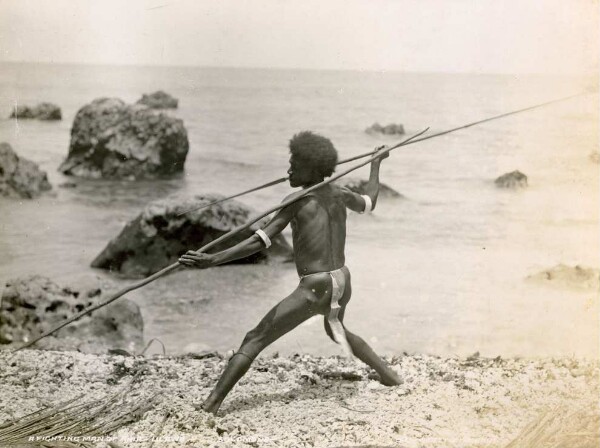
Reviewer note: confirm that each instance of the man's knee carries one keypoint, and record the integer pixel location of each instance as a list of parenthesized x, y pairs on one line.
[(254, 342)]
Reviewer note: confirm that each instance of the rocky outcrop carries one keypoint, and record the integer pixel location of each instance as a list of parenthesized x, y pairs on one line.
[(43, 111), (33, 305), (158, 236), (158, 100), (19, 177), (358, 186), (113, 140), (570, 276), (514, 180), (390, 129)]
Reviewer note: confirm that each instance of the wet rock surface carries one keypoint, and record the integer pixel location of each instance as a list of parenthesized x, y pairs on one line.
[(159, 100), (159, 235), (569, 276), (512, 180), (298, 401), (43, 111), (113, 140), (33, 305), (390, 129), (358, 186), (19, 177)]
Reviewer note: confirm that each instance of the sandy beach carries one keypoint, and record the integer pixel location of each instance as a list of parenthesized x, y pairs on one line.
[(305, 401)]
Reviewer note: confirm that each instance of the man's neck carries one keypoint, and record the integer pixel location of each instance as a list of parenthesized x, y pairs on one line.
[(311, 184)]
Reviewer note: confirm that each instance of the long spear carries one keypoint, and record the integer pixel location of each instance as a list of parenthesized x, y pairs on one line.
[(274, 182), (366, 154), (210, 245)]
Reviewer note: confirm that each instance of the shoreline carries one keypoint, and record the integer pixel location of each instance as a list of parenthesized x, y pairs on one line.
[(304, 400)]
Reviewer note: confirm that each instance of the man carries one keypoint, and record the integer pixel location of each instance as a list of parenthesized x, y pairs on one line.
[(318, 223)]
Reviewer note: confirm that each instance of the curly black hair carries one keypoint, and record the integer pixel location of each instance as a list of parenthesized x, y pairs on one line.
[(315, 152)]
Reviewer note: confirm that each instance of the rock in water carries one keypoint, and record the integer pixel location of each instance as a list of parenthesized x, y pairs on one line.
[(33, 305), (358, 186), (158, 236), (390, 129), (514, 180), (112, 140), (19, 177), (159, 100), (578, 276), (43, 111)]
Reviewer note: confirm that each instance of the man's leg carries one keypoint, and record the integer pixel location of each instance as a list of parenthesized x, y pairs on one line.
[(285, 316), (365, 353), (360, 348)]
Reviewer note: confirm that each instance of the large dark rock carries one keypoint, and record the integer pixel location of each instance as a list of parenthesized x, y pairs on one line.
[(159, 100), (358, 186), (19, 177), (157, 237), (43, 111), (113, 140), (515, 179), (570, 276), (390, 129), (33, 305)]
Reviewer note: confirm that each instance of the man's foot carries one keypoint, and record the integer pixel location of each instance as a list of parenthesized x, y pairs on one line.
[(211, 406), (390, 378)]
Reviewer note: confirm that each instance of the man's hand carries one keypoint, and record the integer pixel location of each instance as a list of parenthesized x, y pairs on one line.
[(193, 259), (381, 154)]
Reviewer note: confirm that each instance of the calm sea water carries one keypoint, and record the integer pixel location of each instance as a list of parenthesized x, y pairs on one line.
[(442, 271)]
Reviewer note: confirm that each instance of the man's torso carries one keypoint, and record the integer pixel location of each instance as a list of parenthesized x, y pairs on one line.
[(319, 231)]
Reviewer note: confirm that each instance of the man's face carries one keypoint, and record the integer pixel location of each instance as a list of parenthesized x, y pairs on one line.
[(299, 175)]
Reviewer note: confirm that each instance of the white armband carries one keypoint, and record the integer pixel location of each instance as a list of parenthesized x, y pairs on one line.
[(264, 237), (368, 204)]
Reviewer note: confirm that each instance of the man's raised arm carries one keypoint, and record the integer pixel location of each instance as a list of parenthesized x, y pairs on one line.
[(367, 202)]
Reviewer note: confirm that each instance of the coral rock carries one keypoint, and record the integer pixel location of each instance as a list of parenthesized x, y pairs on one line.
[(158, 236), (390, 129), (43, 111), (576, 276), (19, 177), (33, 305), (113, 140), (159, 100), (515, 179)]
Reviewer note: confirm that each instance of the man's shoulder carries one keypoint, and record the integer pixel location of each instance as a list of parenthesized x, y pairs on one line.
[(300, 199), (312, 197)]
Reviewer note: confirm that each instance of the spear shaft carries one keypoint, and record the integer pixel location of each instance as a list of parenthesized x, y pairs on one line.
[(210, 245), (366, 154)]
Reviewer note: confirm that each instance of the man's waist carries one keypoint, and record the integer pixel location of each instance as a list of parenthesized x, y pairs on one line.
[(308, 274)]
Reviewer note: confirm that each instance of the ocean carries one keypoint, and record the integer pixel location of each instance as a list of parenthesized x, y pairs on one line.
[(442, 271)]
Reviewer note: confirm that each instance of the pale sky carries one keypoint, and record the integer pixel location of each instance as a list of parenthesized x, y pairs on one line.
[(484, 36)]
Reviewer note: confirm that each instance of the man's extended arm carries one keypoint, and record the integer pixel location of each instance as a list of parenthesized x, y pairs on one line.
[(249, 246), (357, 202)]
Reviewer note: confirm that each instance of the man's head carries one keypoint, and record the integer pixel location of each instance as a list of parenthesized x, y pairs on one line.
[(313, 158)]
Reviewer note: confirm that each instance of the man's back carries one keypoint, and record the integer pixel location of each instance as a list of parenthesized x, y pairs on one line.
[(319, 231)]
